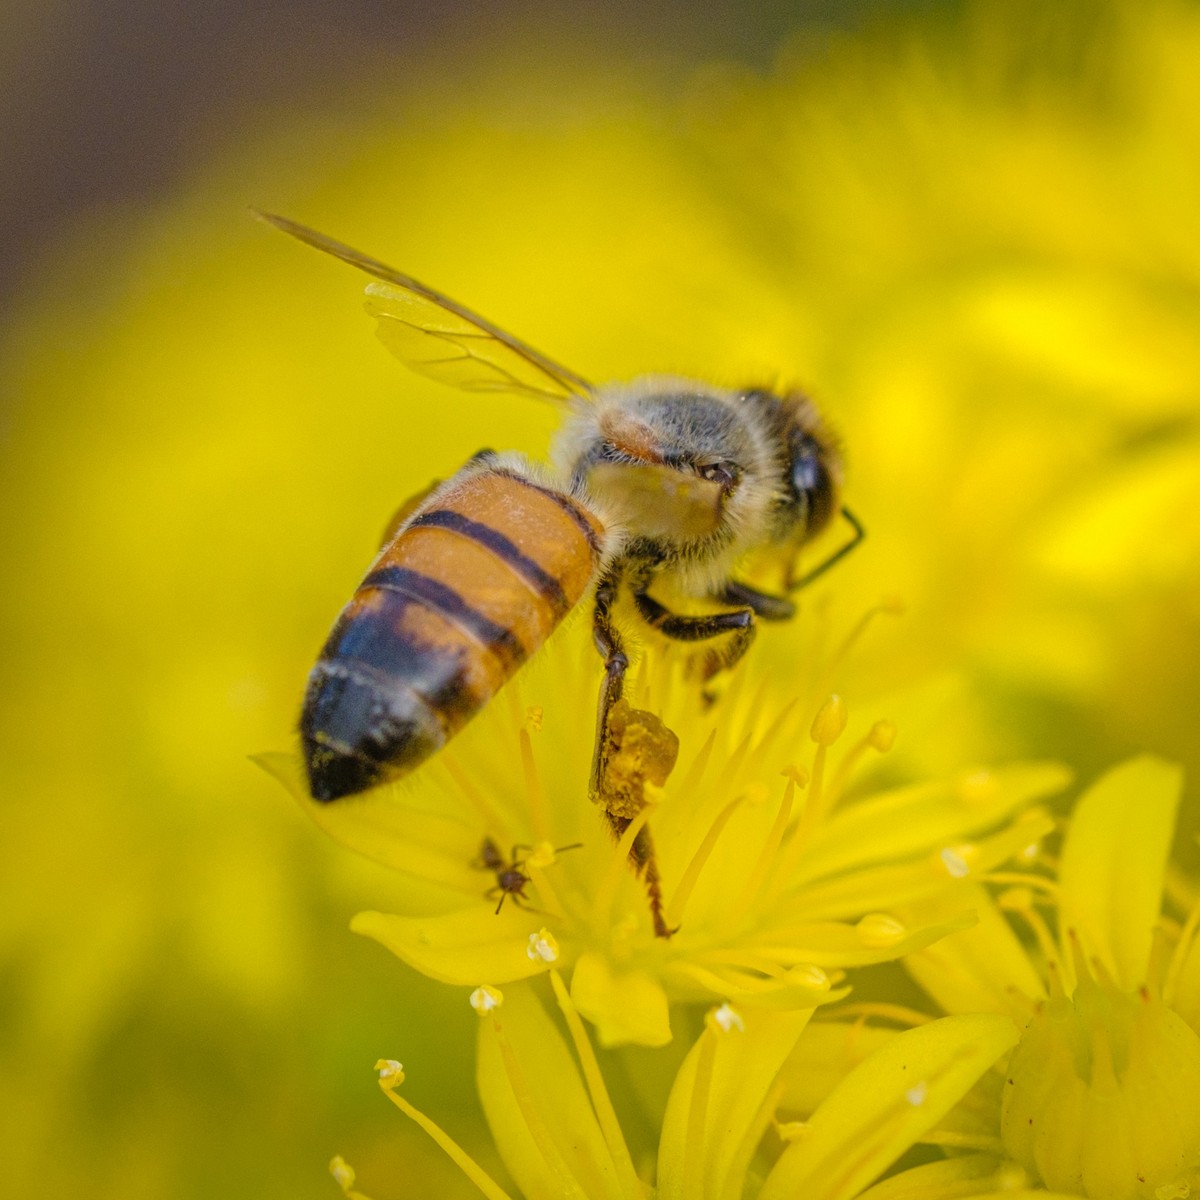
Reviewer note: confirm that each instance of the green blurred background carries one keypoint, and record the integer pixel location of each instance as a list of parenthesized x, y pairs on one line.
[(971, 230)]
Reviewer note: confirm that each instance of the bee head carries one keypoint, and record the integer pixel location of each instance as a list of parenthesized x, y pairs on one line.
[(669, 460)]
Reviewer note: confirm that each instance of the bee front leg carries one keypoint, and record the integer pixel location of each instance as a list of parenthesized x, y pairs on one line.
[(738, 625), (766, 606)]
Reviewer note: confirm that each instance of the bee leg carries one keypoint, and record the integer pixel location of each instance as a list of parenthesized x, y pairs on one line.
[(616, 663), (409, 507), (765, 606), (645, 864), (738, 624)]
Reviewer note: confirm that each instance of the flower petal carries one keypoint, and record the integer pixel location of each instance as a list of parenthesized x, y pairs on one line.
[(1113, 863), (980, 969), (947, 1179), (538, 1107), (885, 1104), (625, 1006), (460, 948), (719, 1105), (892, 885), (913, 820), (425, 845)]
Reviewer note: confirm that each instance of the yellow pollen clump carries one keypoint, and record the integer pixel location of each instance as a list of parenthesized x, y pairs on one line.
[(1102, 1096)]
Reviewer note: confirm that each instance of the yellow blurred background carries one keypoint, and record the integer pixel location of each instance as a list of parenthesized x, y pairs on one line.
[(970, 230)]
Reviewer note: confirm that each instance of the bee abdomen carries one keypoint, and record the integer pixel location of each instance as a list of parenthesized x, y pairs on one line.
[(450, 610)]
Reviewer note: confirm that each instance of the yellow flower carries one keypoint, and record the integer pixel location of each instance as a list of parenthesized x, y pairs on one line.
[(559, 1132), (1101, 1096), (774, 886)]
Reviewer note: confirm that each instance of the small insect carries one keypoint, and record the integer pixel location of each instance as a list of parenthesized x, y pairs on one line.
[(660, 485), (510, 874)]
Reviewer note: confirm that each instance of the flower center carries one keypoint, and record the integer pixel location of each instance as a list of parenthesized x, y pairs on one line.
[(1103, 1096)]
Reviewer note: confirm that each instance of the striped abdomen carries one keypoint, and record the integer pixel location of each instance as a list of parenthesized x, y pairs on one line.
[(453, 605)]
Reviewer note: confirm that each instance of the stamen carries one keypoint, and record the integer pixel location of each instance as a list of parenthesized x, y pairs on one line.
[(774, 730), (735, 1175), (967, 1141), (683, 890), (1187, 935), (691, 781), (1016, 901), (827, 727), (1158, 963), (732, 765), (1078, 959), (728, 1019), (1020, 879), (486, 999), (693, 1155), (606, 1115), (890, 606), (465, 1163), (897, 1013), (881, 738), (343, 1175), (546, 1145), (539, 816), (878, 931), (766, 859), (542, 946), (954, 859)]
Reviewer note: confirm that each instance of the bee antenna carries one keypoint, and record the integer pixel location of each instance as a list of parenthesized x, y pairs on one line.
[(836, 556)]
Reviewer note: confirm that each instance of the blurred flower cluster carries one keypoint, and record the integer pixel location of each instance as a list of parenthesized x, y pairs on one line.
[(910, 961)]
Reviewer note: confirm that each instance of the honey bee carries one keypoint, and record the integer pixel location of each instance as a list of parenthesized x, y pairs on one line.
[(661, 484)]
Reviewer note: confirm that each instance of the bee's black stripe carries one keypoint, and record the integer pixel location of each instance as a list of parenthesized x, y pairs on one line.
[(565, 502), (376, 650), (446, 601), (545, 583)]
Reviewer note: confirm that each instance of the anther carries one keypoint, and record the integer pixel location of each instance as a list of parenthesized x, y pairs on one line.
[(830, 721), (391, 1073), (486, 999), (977, 787), (882, 736), (728, 1019), (342, 1172), (954, 859), (879, 930), (542, 947)]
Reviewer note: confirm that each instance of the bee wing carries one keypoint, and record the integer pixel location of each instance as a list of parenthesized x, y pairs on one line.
[(439, 338)]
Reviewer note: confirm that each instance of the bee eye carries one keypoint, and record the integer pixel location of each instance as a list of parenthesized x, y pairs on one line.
[(813, 487), (725, 473)]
